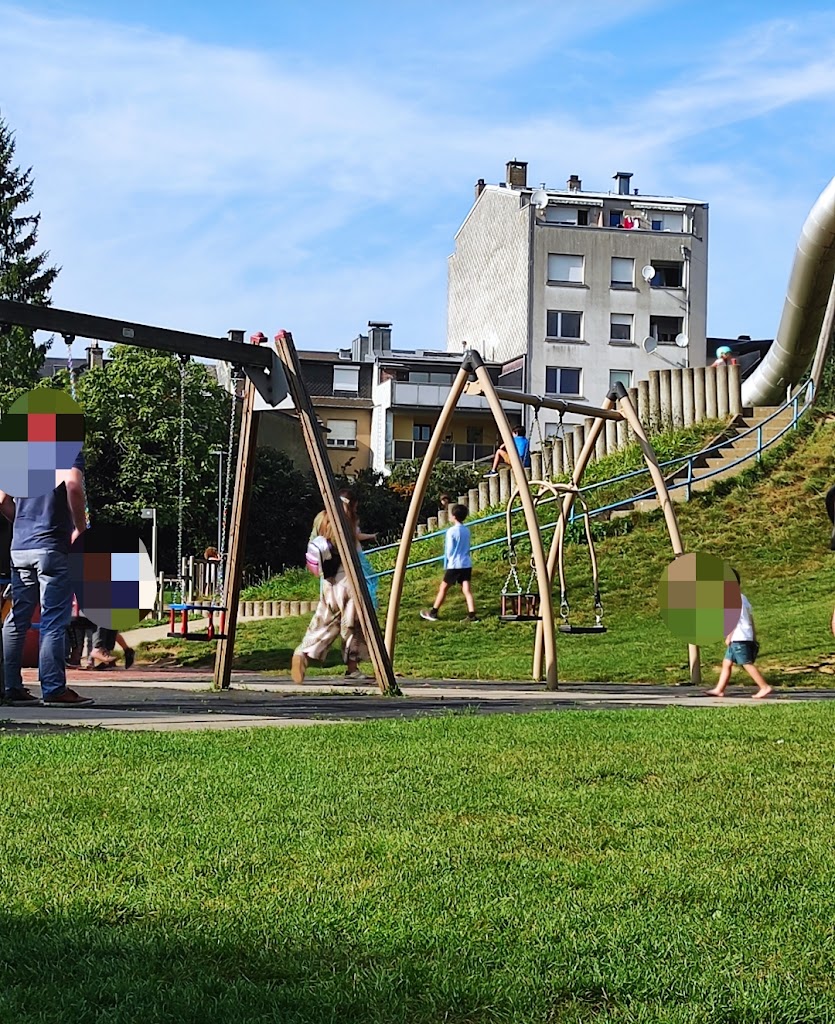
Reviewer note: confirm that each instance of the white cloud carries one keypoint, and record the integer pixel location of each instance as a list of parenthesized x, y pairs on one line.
[(205, 187)]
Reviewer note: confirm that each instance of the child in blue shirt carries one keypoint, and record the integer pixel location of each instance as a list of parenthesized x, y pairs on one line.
[(458, 564), (523, 446)]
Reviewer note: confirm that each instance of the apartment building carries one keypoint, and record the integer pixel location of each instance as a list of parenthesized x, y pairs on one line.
[(588, 288)]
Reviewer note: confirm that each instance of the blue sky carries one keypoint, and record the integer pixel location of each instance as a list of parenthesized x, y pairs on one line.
[(265, 164)]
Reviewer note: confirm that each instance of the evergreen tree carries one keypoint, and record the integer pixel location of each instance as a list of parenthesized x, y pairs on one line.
[(24, 273)]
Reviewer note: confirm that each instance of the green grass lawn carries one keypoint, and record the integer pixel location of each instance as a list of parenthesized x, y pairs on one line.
[(656, 866), (770, 523)]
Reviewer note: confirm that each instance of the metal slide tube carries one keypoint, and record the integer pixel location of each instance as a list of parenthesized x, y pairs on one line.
[(434, 446), (799, 333), (664, 501)]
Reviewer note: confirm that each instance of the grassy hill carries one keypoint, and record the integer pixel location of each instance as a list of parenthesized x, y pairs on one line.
[(769, 522)]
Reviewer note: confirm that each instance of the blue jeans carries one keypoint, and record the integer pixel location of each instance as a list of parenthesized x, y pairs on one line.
[(45, 576)]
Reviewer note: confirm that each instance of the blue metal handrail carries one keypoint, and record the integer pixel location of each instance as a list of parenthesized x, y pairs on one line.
[(685, 460)]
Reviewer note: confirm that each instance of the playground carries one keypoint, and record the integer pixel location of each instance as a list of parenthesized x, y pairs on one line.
[(472, 835)]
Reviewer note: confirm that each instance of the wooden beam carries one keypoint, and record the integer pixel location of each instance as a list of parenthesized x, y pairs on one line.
[(418, 494), (546, 601), (259, 364), (346, 542), (237, 531)]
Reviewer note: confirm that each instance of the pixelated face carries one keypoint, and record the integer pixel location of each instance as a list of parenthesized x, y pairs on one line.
[(113, 576), (699, 597), (42, 433)]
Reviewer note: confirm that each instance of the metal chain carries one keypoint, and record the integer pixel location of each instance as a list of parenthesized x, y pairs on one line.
[(181, 482), (512, 576), (234, 377)]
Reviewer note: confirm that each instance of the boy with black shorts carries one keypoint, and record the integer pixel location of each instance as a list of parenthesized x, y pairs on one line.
[(458, 565)]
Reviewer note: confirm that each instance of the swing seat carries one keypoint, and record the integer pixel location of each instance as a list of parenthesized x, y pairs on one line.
[(566, 627), (182, 631)]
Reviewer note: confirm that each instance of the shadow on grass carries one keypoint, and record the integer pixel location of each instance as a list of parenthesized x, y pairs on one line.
[(123, 967)]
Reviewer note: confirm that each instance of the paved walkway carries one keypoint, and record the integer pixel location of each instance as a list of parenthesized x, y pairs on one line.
[(182, 699)]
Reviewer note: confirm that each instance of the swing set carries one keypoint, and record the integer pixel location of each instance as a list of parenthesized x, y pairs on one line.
[(533, 601), (274, 374)]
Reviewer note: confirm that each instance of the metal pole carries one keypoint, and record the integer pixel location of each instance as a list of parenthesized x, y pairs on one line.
[(220, 500)]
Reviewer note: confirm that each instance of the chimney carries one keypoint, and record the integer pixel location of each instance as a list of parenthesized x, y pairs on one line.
[(516, 173), (622, 178), (95, 356), (574, 184), (479, 187), (379, 334)]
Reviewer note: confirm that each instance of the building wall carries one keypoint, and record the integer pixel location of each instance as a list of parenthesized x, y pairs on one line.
[(360, 457), (488, 276), (595, 354)]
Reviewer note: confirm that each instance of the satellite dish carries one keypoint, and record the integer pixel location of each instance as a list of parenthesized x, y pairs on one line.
[(649, 344), (682, 340), (648, 272), (539, 199)]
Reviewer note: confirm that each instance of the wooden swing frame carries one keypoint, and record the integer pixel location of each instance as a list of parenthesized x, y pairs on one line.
[(473, 378), (275, 375)]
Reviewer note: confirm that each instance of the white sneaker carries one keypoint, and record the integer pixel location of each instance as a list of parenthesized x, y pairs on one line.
[(356, 674)]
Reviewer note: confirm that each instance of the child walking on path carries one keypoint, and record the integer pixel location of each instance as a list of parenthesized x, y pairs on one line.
[(742, 650), (458, 564)]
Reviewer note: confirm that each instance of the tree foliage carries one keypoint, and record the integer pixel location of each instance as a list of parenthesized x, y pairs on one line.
[(25, 275), (132, 414)]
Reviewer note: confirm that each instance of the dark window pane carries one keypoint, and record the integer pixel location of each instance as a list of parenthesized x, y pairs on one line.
[(570, 382)]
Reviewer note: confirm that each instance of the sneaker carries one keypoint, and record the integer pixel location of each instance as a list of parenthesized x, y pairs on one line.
[(430, 616), (299, 667), (356, 674), (472, 618), (67, 698), (491, 472), (20, 697)]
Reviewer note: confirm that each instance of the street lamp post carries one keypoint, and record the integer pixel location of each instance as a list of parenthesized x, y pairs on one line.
[(219, 453), (151, 513)]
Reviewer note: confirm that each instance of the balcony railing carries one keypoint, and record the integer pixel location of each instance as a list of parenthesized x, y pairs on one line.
[(450, 452)]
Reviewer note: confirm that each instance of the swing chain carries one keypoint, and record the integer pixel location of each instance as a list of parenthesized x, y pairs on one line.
[(181, 478), (513, 575), (236, 375)]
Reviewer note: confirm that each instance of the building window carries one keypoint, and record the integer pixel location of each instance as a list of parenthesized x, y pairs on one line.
[(620, 328), (418, 377), (552, 430), (563, 269), (666, 221), (421, 431), (623, 272), (475, 435), (566, 215), (668, 274), (665, 328), (620, 377), (615, 218), (562, 380), (342, 433), (564, 324), (346, 379)]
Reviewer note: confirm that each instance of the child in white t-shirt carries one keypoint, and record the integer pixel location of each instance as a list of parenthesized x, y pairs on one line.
[(742, 649)]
